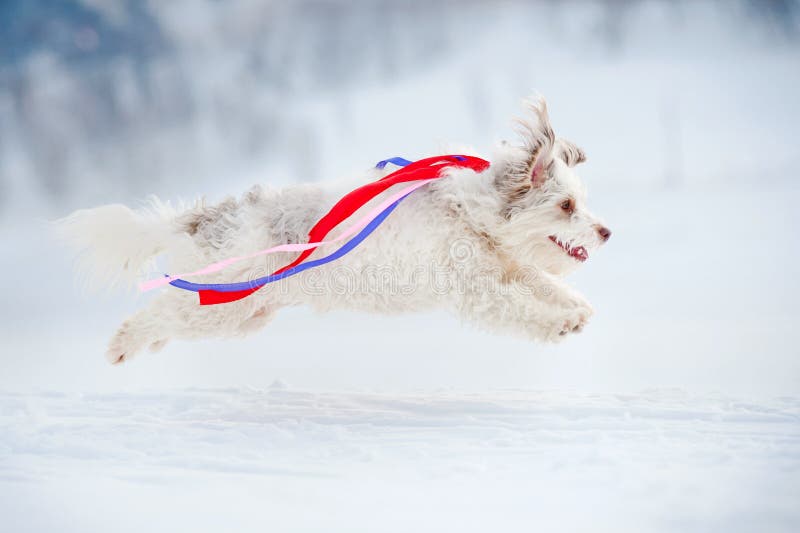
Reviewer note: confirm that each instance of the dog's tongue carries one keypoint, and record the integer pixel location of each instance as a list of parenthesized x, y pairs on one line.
[(579, 253)]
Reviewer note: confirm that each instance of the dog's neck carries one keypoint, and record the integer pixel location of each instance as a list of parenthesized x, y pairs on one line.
[(476, 203)]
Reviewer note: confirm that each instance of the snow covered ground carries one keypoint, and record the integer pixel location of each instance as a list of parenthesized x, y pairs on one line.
[(279, 459)]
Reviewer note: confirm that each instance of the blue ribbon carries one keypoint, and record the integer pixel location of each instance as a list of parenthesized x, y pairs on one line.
[(347, 247), (399, 161)]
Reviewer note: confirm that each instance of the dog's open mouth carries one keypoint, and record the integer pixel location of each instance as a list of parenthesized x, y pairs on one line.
[(578, 253)]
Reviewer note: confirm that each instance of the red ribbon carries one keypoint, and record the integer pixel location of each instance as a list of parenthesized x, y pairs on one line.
[(423, 169)]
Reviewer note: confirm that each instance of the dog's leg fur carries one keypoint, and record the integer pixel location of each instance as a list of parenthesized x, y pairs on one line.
[(140, 331), (524, 311), (177, 315)]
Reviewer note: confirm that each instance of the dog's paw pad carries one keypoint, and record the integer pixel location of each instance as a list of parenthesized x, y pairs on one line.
[(115, 358), (574, 322)]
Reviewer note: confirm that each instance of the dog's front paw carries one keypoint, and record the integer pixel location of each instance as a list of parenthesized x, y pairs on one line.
[(576, 320), (568, 321), (573, 300)]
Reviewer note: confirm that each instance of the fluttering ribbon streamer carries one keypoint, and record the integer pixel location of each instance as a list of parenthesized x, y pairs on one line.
[(424, 171), (260, 282), (298, 247)]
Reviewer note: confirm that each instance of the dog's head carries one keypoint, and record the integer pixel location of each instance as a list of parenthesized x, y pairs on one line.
[(546, 221)]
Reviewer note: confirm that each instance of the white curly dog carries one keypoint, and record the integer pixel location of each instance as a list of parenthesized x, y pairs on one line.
[(493, 247)]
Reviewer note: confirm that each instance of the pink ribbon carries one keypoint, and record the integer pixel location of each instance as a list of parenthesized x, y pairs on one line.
[(221, 265)]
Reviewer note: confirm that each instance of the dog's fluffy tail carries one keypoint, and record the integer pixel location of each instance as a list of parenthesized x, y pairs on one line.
[(116, 245)]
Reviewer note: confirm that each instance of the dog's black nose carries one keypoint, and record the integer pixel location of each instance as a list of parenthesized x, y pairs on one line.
[(604, 232)]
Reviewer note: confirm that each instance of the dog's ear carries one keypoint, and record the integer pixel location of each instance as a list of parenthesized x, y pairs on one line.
[(539, 142), (532, 163), (569, 152)]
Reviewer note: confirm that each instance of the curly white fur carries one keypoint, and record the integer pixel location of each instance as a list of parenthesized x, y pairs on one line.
[(492, 247)]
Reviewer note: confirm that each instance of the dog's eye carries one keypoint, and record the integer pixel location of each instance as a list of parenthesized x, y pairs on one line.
[(568, 206)]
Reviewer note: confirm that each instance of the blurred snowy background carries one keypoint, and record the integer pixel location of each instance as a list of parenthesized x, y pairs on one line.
[(677, 409)]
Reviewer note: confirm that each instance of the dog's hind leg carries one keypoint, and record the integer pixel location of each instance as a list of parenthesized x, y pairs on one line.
[(167, 316), (256, 321), (140, 331), (172, 315), (158, 345)]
